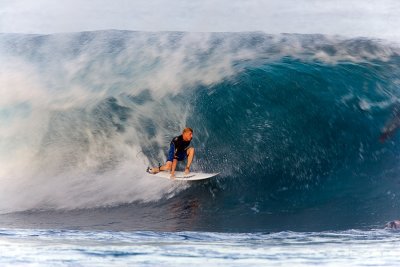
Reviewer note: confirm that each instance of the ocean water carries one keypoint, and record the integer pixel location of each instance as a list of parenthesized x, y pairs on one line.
[(142, 248), (292, 122)]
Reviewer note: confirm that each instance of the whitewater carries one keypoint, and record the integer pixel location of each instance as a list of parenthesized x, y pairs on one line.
[(291, 121)]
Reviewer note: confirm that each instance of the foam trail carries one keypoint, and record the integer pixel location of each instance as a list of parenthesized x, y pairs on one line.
[(78, 109)]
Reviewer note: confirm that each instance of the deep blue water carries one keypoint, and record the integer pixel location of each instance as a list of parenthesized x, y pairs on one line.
[(292, 122)]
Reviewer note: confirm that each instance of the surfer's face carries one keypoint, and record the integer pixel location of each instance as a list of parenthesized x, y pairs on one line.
[(187, 136)]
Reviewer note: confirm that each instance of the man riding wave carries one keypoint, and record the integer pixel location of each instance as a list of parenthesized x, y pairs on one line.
[(179, 150)]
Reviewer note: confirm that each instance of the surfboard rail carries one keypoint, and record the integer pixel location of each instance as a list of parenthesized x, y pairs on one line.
[(181, 176)]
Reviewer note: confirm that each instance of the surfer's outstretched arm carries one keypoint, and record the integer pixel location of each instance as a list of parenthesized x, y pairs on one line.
[(190, 155), (173, 168)]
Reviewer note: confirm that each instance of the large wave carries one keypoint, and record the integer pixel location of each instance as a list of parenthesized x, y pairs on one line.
[(292, 122)]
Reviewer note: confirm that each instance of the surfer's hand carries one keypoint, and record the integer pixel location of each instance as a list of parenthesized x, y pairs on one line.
[(187, 170)]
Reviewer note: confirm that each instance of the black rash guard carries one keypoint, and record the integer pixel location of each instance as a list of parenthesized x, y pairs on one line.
[(180, 144)]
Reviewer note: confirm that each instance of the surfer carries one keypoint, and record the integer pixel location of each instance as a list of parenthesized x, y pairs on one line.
[(392, 126), (179, 150), (393, 225)]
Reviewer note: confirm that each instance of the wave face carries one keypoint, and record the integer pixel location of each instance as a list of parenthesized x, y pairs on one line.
[(292, 122)]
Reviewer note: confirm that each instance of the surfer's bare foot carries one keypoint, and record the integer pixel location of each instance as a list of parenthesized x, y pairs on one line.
[(153, 170), (172, 177)]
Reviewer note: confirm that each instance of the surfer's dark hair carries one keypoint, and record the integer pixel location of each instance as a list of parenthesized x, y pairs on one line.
[(187, 129)]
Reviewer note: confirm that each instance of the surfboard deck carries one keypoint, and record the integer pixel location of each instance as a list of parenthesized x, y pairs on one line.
[(181, 176)]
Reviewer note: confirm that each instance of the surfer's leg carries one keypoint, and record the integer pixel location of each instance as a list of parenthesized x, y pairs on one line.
[(165, 167)]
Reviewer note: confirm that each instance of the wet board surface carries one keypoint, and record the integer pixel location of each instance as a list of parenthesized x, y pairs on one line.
[(181, 176)]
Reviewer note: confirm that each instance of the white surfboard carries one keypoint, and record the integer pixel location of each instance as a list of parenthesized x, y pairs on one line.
[(181, 176)]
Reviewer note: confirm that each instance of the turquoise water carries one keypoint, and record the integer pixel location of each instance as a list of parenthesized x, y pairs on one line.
[(292, 123)]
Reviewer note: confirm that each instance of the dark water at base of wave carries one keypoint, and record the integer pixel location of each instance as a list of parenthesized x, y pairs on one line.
[(200, 214)]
